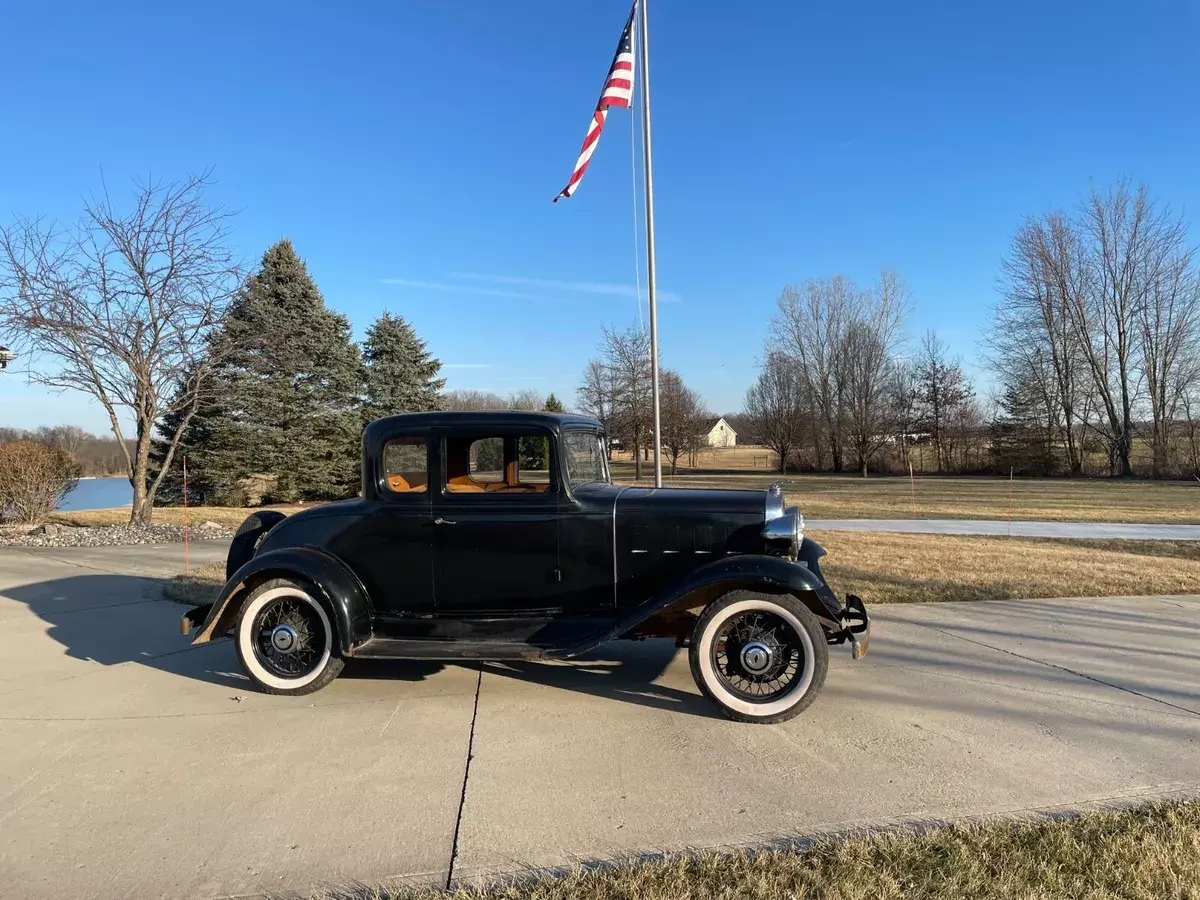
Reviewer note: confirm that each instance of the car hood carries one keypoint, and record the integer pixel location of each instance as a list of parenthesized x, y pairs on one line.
[(692, 501)]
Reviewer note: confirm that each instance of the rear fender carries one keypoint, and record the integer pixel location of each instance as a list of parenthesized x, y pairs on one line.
[(766, 574), (343, 595)]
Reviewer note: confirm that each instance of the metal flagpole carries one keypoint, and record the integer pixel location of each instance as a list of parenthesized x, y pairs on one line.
[(651, 286)]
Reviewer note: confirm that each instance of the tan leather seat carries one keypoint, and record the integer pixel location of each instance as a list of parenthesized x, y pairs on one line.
[(398, 484)]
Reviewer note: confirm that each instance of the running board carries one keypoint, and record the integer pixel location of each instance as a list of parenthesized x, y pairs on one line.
[(403, 648)]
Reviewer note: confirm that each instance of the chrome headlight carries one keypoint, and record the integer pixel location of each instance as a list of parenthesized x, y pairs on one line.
[(785, 532)]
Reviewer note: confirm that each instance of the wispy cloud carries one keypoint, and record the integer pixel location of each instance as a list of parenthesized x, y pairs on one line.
[(552, 284), (458, 288)]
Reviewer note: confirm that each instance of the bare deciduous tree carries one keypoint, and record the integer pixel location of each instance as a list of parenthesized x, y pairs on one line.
[(597, 395), (872, 337), (902, 400), (942, 389), (1108, 298), (1168, 353), (1123, 236), (681, 416), (120, 307), (810, 326), (775, 406), (1033, 335), (627, 358)]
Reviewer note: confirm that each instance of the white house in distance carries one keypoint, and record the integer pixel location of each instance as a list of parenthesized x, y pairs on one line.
[(720, 434)]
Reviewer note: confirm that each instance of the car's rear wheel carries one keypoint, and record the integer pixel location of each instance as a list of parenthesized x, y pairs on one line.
[(759, 657), (285, 640)]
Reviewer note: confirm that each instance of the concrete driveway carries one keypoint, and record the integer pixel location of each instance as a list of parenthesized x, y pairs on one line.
[(133, 766)]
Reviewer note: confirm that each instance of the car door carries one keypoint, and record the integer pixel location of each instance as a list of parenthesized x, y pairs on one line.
[(392, 548), (496, 522)]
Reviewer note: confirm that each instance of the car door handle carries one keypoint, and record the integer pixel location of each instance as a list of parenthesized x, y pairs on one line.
[(440, 521)]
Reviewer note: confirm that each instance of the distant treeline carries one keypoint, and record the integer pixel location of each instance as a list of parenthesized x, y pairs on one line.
[(98, 457)]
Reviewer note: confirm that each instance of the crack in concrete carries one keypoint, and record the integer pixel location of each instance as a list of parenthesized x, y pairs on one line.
[(1077, 674), (462, 800)]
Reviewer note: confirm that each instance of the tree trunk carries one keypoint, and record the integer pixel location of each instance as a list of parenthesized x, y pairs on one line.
[(138, 510), (637, 460), (143, 504), (864, 467), (1123, 450)]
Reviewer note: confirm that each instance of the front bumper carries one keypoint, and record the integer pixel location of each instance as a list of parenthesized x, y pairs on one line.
[(856, 627)]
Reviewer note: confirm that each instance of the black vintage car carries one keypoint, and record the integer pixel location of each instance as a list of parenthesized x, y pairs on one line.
[(499, 535)]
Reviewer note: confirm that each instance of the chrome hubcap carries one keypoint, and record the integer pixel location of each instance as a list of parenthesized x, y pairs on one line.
[(756, 657), (284, 638)]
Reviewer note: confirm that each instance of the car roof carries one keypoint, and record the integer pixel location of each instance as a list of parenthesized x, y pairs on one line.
[(483, 418)]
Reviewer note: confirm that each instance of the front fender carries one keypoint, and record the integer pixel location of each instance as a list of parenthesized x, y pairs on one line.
[(769, 574), (344, 596)]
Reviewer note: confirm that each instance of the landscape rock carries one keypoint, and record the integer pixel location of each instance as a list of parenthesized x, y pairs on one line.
[(108, 536)]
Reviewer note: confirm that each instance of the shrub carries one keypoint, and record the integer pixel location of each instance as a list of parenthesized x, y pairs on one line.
[(34, 477)]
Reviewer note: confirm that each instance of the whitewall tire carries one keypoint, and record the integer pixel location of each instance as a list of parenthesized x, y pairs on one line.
[(285, 640), (759, 657)]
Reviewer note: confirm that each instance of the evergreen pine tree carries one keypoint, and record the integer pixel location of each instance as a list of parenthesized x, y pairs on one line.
[(553, 404), (194, 444), (401, 376), (1021, 440), (288, 389)]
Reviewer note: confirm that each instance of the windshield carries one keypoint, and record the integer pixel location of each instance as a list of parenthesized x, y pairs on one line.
[(586, 460)]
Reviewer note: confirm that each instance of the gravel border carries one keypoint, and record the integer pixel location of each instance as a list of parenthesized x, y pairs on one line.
[(106, 536)]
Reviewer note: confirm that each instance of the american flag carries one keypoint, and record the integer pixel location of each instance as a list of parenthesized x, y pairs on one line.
[(618, 91)]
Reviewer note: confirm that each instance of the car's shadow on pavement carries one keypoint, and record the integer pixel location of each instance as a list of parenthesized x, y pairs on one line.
[(622, 670), (117, 619)]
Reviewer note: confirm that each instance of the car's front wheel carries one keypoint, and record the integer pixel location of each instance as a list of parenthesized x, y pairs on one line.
[(284, 639), (759, 657)]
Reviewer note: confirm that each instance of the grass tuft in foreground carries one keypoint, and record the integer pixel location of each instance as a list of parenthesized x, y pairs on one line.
[(199, 586), (1151, 852)]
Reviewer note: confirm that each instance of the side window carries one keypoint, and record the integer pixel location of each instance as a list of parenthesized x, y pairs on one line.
[(497, 464), (533, 460), (406, 465), (486, 460)]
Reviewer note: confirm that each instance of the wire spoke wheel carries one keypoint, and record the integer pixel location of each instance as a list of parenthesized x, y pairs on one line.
[(758, 656), (289, 637)]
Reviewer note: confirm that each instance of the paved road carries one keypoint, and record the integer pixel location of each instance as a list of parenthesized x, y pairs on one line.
[(1111, 530), (132, 766)]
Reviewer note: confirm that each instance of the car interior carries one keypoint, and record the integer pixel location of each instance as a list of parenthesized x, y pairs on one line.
[(493, 464)]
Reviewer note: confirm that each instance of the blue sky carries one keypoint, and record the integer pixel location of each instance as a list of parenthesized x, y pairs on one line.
[(410, 149)]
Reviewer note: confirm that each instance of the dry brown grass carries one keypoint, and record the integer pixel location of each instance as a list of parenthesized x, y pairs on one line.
[(199, 586), (1148, 853), (848, 497), (966, 497), (916, 568), (907, 568), (229, 516)]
